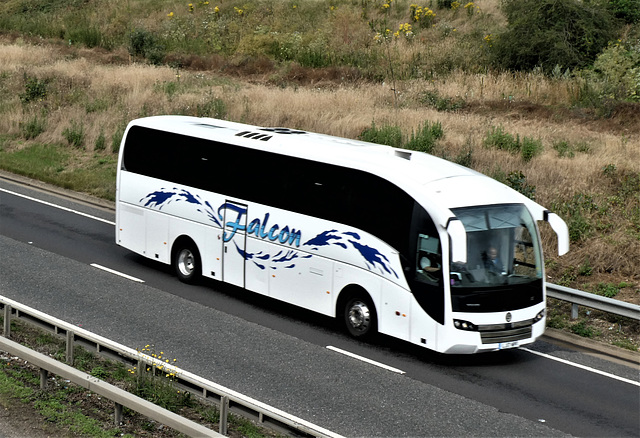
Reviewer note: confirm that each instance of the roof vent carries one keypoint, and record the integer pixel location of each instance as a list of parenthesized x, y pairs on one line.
[(403, 154), (282, 131), (254, 135)]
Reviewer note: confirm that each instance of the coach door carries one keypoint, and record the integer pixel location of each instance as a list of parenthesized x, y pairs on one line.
[(234, 241)]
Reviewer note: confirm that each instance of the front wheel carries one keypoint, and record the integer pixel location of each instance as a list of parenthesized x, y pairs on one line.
[(360, 317), (186, 262)]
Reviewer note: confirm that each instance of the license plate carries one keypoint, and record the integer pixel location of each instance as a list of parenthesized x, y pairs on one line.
[(505, 345)]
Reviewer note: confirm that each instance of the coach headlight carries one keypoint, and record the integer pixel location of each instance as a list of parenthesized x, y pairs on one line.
[(464, 325), (539, 316)]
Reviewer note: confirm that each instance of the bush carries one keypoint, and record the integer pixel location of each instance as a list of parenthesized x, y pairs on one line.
[(116, 139), (144, 43), (444, 4), (101, 142), (433, 99), (89, 36), (389, 135), (576, 212), (34, 90), (530, 148), (617, 70), (74, 134), (582, 329), (608, 290), (517, 181), (33, 127), (547, 33), (215, 108), (627, 10), (499, 139), (425, 139)]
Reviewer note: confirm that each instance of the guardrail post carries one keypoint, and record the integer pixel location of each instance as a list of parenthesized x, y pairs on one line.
[(70, 339), (7, 321), (43, 378), (574, 311), (224, 413), (118, 414)]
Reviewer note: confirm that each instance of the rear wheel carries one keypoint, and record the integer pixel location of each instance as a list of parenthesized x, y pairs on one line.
[(186, 262), (360, 316)]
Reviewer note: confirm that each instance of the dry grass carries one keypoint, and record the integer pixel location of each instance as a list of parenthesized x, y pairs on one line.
[(102, 91)]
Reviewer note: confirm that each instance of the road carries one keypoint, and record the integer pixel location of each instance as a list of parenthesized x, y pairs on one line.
[(277, 353)]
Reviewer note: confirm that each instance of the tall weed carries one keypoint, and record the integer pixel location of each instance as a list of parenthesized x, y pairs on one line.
[(74, 134), (387, 135), (34, 127), (424, 140)]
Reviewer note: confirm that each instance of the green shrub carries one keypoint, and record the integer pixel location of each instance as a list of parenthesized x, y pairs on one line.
[(215, 108), (547, 33), (116, 138), (579, 227), (433, 99), (34, 90), (389, 135), (139, 41), (498, 138), (144, 43), (627, 10), (568, 150), (563, 148), (99, 372), (97, 105), (581, 329), (425, 139), (74, 134), (34, 127), (465, 158), (626, 183), (530, 148), (444, 4), (626, 344), (576, 211), (89, 36), (101, 142), (617, 73), (608, 290), (585, 269), (517, 181)]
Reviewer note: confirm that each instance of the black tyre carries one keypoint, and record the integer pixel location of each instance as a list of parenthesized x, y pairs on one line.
[(360, 316), (186, 262)]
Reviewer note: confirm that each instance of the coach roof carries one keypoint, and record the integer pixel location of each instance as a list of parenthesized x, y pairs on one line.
[(420, 167)]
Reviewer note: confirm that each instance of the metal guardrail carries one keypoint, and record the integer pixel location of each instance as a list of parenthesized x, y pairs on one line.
[(227, 399), (104, 389), (580, 298)]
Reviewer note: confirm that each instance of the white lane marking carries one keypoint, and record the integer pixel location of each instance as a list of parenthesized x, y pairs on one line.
[(577, 365), (364, 359), (57, 206), (117, 273)]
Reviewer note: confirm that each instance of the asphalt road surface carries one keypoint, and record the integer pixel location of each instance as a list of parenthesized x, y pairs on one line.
[(278, 353)]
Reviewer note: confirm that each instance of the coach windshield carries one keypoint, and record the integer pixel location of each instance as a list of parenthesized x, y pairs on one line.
[(504, 260)]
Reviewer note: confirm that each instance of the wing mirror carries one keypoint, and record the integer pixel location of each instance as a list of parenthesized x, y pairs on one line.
[(458, 239)]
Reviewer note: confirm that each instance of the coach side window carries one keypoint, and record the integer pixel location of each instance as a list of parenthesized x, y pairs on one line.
[(428, 259)]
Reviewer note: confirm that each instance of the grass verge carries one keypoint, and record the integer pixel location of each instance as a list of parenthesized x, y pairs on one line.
[(65, 409)]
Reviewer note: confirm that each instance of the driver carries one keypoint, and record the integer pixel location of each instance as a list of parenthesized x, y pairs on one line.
[(492, 262)]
